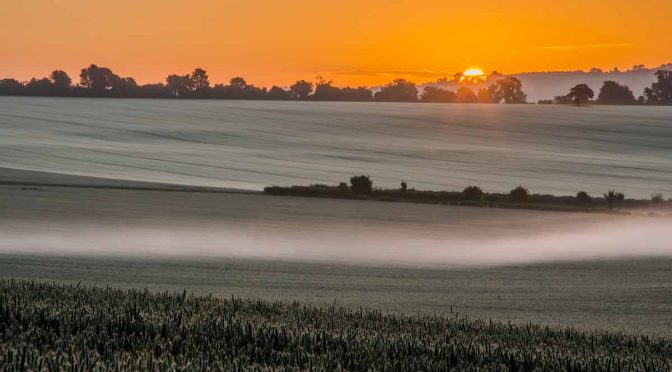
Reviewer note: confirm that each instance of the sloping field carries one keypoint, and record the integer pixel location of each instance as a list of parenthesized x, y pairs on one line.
[(249, 145)]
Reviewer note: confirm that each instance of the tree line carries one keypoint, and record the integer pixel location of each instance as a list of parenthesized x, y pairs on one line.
[(95, 81), (614, 93)]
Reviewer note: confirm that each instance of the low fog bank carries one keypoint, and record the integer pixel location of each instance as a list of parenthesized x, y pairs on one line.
[(399, 246)]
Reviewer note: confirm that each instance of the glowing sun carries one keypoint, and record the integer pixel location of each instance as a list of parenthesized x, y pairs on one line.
[(473, 72)]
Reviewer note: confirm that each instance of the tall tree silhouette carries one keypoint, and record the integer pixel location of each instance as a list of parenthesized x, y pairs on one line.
[(325, 91), (580, 93), (61, 82), (178, 85), (508, 90), (614, 93), (199, 83), (660, 92), (95, 78)]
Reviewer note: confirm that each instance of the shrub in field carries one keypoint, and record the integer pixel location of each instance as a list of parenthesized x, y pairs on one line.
[(343, 189), (361, 185), (583, 197), (613, 198), (472, 193), (657, 198), (519, 194), (404, 187)]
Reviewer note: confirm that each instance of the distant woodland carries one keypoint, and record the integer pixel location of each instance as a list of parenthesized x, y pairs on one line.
[(95, 81)]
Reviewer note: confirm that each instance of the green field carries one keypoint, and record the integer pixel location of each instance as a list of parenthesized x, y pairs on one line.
[(67, 327)]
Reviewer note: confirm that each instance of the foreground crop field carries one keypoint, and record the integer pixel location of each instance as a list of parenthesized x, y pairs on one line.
[(251, 144), (630, 296), (47, 326)]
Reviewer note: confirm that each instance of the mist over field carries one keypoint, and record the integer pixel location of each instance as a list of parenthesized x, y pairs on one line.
[(248, 145), (643, 239), (99, 222)]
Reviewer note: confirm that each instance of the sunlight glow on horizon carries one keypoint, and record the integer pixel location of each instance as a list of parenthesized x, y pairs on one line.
[(350, 42), (473, 71)]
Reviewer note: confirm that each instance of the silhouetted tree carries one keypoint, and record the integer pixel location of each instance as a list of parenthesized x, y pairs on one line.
[(657, 198), (39, 87), (404, 187), (660, 92), (613, 93), (123, 87), (199, 83), (97, 79), (343, 189), (484, 96), (278, 93), (612, 198), (61, 82), (437, 95), (362, 94), (508, 90), (466, 95), (300, 90), (399, 90), (11, 87), (562, 100), (519, 194), (238, 83), (324, 91), (238, 88), (178, 85), (579, 93), (583, 197), (472, 193), (361, 185)]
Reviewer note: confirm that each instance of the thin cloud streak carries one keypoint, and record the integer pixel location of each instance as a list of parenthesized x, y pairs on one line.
[(587, 46), (393, 72)]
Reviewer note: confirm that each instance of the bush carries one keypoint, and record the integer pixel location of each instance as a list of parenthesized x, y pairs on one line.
[(612, 197), (519, 194), (472, 193), (343, 189), (657, 198), (404, 187), (583, 197), (361, 185)]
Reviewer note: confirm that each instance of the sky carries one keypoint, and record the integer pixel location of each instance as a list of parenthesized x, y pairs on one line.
[(351, 42)]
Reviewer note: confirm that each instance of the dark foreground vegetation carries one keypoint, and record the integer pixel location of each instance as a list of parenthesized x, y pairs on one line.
[(98, 81), (361, 187), (65, 327)]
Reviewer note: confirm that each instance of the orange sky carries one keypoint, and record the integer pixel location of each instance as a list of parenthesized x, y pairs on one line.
[(349, 41)]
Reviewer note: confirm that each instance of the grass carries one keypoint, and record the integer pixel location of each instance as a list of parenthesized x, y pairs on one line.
[(544, 202), (57, 327)]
